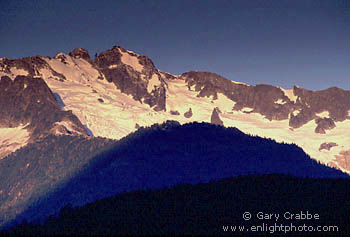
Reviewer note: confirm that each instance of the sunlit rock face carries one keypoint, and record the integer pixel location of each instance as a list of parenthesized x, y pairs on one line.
[(133, 75), (29, 109), (215, 118), (110, 94), (80, 53)]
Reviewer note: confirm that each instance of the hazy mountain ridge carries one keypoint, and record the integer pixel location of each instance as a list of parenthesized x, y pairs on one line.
[(119, 90), (165, 155)]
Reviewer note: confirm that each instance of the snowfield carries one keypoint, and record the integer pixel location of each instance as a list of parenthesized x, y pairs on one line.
[(107, 112)]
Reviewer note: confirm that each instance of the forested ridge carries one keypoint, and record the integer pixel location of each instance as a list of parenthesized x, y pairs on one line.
[(207, 208), (75, 170)]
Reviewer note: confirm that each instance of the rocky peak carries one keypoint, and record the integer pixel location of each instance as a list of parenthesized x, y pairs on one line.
[(134, 75), (29, 66), (108, 58), (80, 53), (215, 118), (298, 106), (118, 56), (333, 100), (11, 66), (208, 84), (62, 57)]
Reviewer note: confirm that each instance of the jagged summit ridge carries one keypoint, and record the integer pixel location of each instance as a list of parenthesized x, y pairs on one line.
[(120, 89), (80, 53), (133, 75)]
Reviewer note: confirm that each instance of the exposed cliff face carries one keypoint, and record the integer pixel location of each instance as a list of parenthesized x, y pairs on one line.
[(327, 146), (30, 66), (29, 101), (299, 106), (267, 100), (215, 118), (134, 75), (80, 53), (334, 101)]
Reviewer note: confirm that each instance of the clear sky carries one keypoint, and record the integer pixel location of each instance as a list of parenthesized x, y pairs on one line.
[(278, 42)]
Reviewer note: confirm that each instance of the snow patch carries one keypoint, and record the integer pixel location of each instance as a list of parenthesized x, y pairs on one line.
[(60, 55), (247, 109), (132, 61), (280, 102), (290, 94), (74, 69), (296, 112), (18, 72), (239, 83), (163, 74), (12, 139), (180, 99), (46, 73), (112, 66), (324, 114), (130, 52), (153, 82), (256, 124), (115, 118)]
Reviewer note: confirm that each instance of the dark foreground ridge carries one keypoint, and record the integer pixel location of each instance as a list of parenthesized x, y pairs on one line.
[(41, 167), (151, 158), (319, 206)]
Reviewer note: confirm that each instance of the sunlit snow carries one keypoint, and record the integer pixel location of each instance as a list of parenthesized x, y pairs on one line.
[(107, 112), (12, 139), (324, 114), (280, 102), (153, 82), (19, 72), (132, 61), (247, 109), (290, 94)]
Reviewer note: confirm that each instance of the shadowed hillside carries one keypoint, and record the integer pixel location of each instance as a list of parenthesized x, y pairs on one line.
[(211, 208), (39, 168), (168, 154)]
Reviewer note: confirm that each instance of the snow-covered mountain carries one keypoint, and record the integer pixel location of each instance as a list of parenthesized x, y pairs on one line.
[(119, 91)]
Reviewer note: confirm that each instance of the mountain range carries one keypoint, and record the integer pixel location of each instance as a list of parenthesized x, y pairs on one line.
[(74, 129), (118, 91)]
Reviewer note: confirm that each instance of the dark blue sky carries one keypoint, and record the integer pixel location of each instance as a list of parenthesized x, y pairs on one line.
[(279, 42)]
